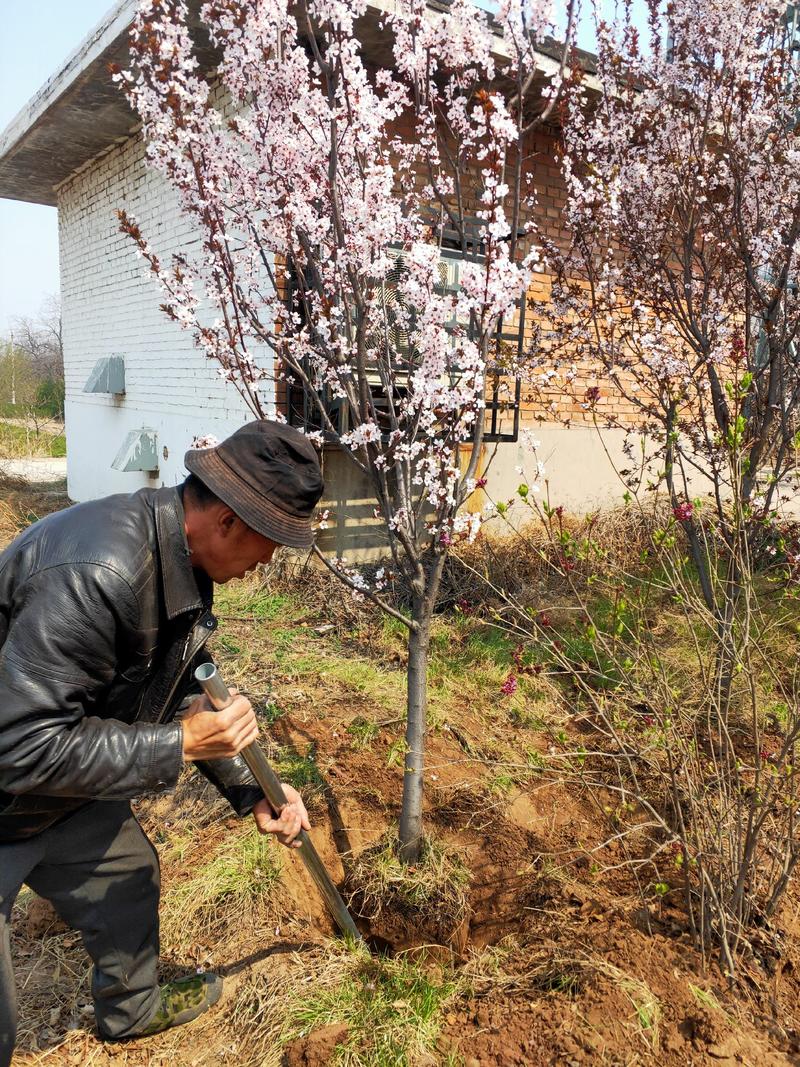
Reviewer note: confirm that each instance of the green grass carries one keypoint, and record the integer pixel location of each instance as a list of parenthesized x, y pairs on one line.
[(393, 629), (25, 410), (460, 645), (708, 1000), (501, 783), (278, 641), (363, 732), (384, 690), (254, 602), (17, 441), (392, 1009), (300, 770), (469, 661), (270, 712)]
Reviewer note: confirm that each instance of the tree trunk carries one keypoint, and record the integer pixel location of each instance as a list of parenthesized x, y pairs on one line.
[(417, 706)]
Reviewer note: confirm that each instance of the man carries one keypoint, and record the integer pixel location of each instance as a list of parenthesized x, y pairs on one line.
[(104, 612)]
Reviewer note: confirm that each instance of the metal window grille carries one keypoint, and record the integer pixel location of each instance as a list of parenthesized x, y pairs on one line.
[(502, 400)]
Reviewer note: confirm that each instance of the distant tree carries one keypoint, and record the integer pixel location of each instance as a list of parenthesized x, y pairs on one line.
[(18, 381), (41, 341), (50, 397)]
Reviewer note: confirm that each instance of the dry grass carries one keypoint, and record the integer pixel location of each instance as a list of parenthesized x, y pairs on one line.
[(509, 969), (22, 503), (55, 996), (435, 888), (524, 564), (239, 877), (21, 439)]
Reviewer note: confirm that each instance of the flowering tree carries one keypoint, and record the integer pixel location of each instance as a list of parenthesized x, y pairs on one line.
[(305, 162), (681, 281), (679, 290)]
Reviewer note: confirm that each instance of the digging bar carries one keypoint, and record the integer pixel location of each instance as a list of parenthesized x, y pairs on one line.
[(217, 692)]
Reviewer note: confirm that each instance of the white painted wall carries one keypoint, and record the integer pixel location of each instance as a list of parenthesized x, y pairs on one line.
[(581, 474), (581, 467), (111, 308)]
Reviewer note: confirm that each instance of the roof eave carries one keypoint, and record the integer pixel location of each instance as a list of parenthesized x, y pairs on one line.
[(79, 113), (18, 149)]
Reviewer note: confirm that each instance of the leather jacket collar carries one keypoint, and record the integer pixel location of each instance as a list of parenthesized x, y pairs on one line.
[(185, 589)]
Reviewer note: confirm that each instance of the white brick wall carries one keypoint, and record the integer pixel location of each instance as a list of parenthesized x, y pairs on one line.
[(111, 307)]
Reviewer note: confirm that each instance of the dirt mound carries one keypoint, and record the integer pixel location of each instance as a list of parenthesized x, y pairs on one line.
[(315, 1049), (399, 928), (579, 1007), (41, 919), (405, 906)]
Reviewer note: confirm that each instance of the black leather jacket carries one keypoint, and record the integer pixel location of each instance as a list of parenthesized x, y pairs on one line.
[(101, 620)]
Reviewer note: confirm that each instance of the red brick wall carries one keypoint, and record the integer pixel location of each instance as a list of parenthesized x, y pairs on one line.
[(558, 401)]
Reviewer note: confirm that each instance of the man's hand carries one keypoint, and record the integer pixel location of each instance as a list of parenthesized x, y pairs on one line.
[(209, 734), (292, 819)]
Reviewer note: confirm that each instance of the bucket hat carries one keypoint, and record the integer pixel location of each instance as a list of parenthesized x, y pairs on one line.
[(269, 474)]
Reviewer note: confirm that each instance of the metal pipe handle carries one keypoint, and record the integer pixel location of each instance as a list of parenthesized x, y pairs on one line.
[(215, 689)]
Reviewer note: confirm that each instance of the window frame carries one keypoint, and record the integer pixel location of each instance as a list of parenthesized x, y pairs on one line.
[(301, 411)]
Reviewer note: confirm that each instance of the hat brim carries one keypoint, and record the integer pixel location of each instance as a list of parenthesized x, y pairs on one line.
[(254, 509)]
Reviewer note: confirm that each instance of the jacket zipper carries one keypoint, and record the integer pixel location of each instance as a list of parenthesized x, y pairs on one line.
[(195, 639)]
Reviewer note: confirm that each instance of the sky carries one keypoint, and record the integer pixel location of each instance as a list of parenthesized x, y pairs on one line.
[(37, 36)]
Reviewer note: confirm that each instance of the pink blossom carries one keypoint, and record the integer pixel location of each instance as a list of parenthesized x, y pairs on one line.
[(301, 156), (509, 686), (205, 441)]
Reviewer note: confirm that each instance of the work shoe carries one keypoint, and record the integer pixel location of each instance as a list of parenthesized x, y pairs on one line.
[(183, 1000)]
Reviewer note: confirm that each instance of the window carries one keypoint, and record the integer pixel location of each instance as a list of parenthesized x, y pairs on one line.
[(503, 390)]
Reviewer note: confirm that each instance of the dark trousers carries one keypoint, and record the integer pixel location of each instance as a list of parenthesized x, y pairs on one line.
[(101, 874)]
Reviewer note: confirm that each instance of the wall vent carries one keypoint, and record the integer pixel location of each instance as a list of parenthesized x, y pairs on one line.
[(108, 376), (139, 452)]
